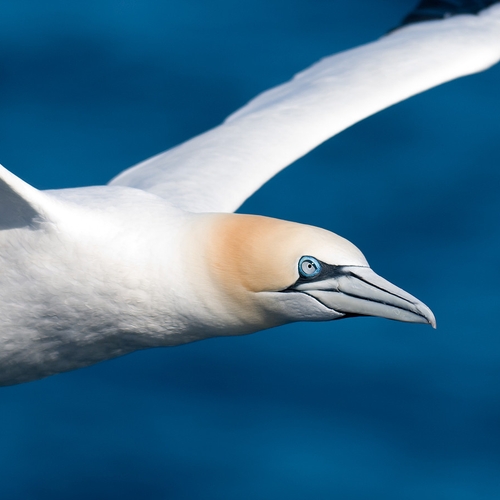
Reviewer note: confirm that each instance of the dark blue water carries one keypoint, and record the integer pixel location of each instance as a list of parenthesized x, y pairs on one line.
[(357, 409)]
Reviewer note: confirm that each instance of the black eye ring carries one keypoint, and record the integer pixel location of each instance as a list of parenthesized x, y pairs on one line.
[(309, 267)]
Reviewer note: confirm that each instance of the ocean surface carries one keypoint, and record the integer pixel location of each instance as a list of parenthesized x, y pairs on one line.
[(359, 409)]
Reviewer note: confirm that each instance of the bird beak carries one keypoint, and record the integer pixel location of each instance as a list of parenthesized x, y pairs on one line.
[(358, 291)]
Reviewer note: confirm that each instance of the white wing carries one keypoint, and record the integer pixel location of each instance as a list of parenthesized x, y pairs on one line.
[(218, 170)]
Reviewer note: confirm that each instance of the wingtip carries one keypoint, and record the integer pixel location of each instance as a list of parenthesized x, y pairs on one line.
[(431, 10)]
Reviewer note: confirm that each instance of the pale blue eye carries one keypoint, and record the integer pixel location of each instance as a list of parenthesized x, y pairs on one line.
[(309, 267)]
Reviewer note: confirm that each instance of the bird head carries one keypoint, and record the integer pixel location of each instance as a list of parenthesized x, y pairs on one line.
[(268, 272)]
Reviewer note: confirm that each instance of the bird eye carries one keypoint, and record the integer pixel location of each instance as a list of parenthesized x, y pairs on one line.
[(309, 267)]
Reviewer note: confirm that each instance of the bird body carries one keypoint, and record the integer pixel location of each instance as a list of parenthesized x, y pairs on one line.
[(156, 258), (84, 280), (94, 273)]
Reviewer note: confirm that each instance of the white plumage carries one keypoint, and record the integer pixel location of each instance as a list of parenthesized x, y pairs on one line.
[(93, 273)]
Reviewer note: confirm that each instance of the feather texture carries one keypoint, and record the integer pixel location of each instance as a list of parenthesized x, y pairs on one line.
[(218, 170)]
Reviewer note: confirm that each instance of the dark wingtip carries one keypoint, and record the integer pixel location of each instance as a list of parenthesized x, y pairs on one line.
[(428, 10)]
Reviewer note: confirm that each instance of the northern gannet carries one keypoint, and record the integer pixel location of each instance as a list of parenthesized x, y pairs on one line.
[(157, 258)]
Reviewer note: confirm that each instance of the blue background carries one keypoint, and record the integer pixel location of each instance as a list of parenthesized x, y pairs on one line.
[(356, 409)]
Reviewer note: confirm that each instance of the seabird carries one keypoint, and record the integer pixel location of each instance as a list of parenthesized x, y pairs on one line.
[(158, 258)]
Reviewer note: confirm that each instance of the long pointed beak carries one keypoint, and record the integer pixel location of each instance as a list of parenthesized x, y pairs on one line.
[(359, 291)]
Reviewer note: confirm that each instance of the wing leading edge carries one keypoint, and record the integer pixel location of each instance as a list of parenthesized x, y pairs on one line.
[(219, 169)]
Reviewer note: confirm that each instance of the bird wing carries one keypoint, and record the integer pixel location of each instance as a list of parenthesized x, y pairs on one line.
[(219, 169), (21, 205)]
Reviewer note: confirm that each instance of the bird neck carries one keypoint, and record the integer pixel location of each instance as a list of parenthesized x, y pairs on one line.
[(223, 294)]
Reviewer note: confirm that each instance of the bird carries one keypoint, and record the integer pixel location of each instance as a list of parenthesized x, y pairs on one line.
[(157, 257)]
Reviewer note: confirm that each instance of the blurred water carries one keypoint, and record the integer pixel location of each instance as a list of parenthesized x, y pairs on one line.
[(357, 409)]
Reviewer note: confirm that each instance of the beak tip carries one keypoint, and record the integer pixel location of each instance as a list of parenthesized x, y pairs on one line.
[(428, 315)]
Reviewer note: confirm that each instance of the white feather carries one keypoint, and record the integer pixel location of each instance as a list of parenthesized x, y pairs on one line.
[(218, 170)]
